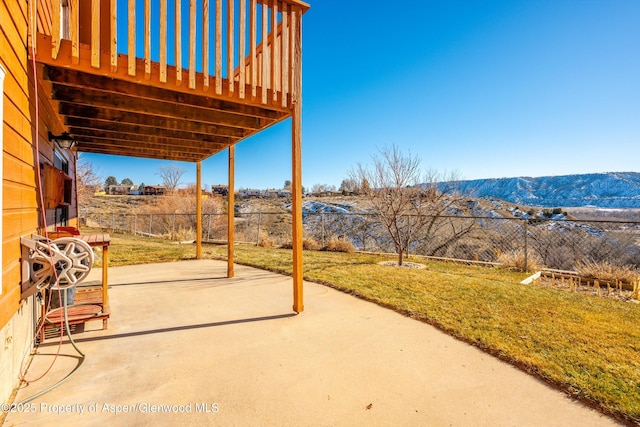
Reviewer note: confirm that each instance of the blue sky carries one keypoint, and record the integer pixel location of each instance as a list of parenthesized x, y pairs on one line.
[(487, 88)]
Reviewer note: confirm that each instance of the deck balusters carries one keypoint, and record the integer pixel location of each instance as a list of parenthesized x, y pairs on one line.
[(252, 43)]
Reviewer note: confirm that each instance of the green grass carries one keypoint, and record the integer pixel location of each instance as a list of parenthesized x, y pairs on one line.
[(586, 345), (131, 250)]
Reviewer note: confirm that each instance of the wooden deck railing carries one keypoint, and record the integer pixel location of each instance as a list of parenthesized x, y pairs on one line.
[(255, 52)]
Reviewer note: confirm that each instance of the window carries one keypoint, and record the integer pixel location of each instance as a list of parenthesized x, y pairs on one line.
[(62, 209), (60, 162)]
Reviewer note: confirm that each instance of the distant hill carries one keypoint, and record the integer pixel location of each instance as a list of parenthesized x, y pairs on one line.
[(604, 190)]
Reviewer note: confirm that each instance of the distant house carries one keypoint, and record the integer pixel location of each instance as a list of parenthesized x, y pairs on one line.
[(118, 189), (190, 191), (154, 190), (326, 193), (135, 191), (249, 193), (220, 190)]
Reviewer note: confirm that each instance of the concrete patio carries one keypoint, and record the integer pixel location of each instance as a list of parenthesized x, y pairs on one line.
[(186, 346)]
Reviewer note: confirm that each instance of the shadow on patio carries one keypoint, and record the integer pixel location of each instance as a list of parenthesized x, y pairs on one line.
[(187, 347)]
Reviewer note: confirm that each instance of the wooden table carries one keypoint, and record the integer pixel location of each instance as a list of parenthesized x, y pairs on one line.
[(102, 240), (87, 305)]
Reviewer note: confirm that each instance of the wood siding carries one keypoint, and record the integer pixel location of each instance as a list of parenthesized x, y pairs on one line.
[(20, 204)]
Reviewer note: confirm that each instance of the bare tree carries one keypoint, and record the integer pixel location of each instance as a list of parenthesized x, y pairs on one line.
[(170, 176), (440, 195), (111, 180), (408, 209), (322, 188), (87, 180), (349, 185)]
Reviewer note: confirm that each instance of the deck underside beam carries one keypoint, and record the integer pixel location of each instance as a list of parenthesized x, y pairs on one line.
[(109, 115)]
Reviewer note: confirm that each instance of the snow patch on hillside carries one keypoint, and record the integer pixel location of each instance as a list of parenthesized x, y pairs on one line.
[(604, 190)]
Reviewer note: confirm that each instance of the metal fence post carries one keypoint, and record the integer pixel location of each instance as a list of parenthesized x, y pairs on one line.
[(259, 225), (150, 223), (322, 222), (113, 221), (209, 229), (135, 224), (526, 247)]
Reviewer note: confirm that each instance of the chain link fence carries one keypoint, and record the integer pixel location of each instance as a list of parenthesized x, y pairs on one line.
[(554, 243)]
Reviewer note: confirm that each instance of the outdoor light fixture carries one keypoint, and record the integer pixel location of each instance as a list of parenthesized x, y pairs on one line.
[(64, 141)]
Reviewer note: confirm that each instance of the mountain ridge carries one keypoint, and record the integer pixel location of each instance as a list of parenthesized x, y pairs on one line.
[(603, 190)]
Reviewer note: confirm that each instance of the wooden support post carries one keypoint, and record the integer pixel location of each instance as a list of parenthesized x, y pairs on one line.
[(296, 167), (198, 210), (230, 212), (105, 282), (296, 210)]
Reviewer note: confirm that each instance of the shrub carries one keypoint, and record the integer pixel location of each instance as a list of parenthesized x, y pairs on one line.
[(265, 241), (183, 234), (604, 270), (515, 260), (339, 245), (308, 244)]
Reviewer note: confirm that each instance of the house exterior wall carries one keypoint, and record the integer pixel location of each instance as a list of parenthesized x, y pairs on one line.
[(20, 205)]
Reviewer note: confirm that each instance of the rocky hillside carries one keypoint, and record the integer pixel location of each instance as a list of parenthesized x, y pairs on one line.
[(604, 190)]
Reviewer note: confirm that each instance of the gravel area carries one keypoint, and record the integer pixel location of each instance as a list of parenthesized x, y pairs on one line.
[(405, 264)]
